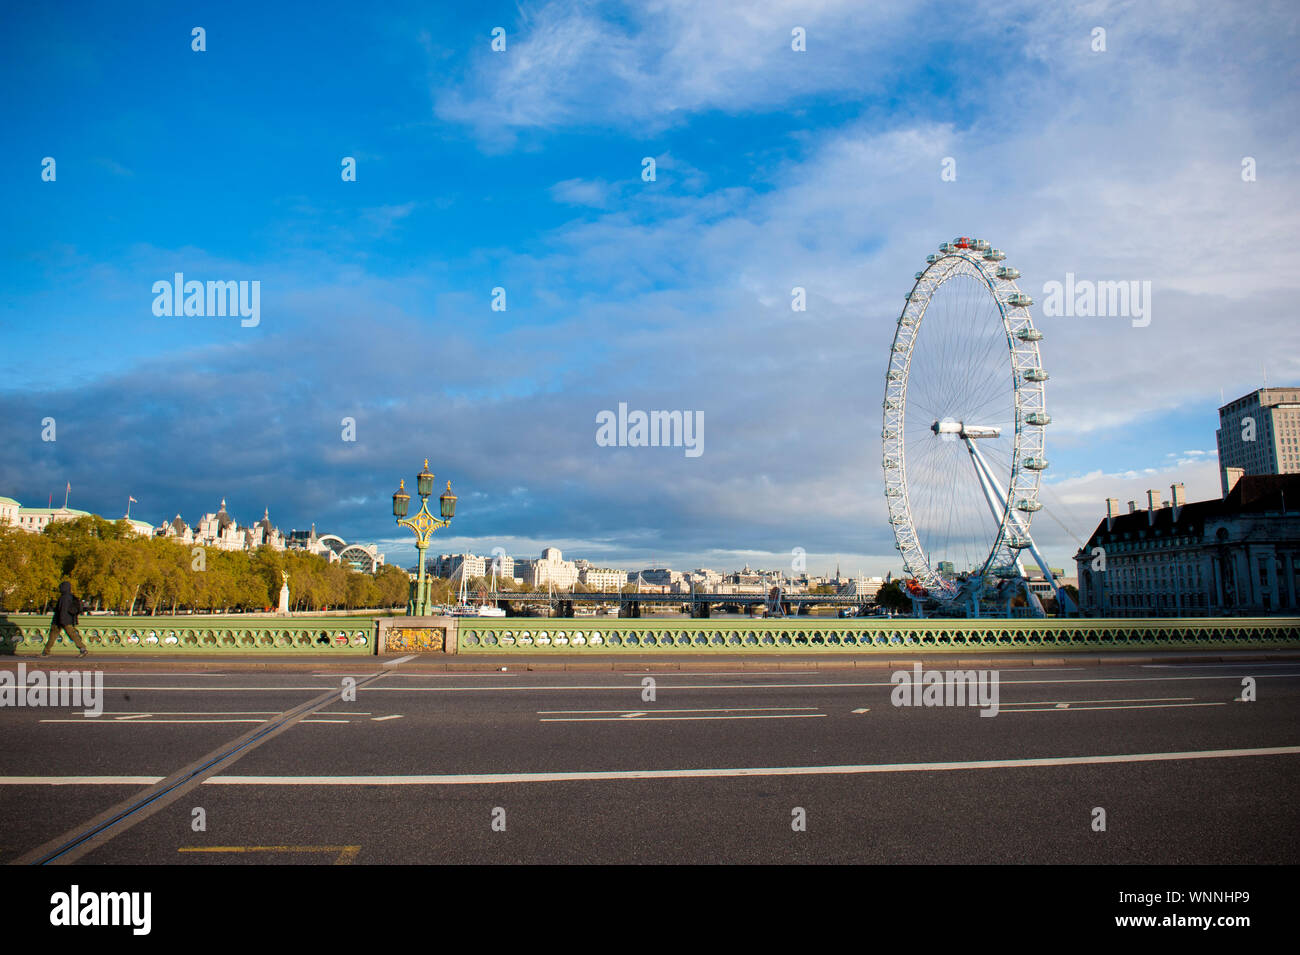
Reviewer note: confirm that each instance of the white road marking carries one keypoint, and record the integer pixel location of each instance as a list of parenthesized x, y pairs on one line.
[(393, 663), (699, 709), (718, 673), (1062, 706), (1089, 709), (324, 721), (862, 710), (380, 719), (1149, 699), (661, 719), (477, 779), (492, 778)]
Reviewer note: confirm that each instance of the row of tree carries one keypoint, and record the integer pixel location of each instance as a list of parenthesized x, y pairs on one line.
[(111, 568)]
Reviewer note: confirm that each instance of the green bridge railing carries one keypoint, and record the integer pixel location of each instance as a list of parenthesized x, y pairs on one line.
[(26, 634), (641, 636)]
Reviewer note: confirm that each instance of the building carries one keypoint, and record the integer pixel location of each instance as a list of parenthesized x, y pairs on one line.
[(221, 531), (551, 570), (1260, 434), (862, 587), (1236, 555), (602, 579), (454, 565), (176, 530), (36, 519)]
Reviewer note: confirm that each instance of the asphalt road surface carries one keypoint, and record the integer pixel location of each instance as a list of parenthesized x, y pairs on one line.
[(800, 765)]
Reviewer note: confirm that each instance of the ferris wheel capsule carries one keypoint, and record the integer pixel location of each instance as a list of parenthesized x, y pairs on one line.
[(1029, 335), (1007, 272), (995, 255), (1020, 300)]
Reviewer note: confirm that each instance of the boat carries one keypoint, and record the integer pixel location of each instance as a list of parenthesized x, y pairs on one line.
[(483, 608)]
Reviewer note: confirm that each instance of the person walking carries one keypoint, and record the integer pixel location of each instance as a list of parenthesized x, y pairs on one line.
[(66, 612)]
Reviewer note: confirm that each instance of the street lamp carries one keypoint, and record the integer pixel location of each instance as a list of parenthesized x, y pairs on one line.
[(423, 524)]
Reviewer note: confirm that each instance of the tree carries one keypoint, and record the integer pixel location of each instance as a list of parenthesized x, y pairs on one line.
[(891, 596), (112, 568)]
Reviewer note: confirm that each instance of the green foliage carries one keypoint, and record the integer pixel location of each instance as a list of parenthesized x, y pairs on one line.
[(113, 569), (891, 596)]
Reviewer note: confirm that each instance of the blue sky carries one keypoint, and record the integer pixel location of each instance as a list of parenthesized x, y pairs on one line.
[(522, 169)]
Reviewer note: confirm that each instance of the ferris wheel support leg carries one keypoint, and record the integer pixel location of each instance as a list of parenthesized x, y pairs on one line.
[(1067, 606), (997, 506)]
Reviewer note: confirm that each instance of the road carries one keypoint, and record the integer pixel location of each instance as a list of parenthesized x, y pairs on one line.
[(720, 766)]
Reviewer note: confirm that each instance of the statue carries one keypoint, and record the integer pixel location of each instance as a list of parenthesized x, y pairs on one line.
[(284, 593)]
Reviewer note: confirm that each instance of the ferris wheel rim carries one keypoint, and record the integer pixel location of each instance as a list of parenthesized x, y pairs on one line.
[(1028, 394)]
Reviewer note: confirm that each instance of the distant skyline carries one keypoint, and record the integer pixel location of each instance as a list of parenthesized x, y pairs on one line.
[(522, 170)]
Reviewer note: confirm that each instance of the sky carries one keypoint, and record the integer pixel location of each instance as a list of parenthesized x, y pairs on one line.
[(836, 169)]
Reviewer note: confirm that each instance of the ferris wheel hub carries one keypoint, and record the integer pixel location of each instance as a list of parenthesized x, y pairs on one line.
[(964, 430)]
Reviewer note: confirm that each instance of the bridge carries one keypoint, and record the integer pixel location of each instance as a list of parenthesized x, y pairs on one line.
[(701, 604)]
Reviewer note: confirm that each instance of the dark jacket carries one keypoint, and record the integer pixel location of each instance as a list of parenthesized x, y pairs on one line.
[(68, 608)]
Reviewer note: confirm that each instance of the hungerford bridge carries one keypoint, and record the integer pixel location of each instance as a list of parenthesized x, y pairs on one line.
[(700, 604)]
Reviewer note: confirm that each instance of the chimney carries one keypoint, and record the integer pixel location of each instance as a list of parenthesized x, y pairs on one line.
[(1178, 497), (1132, 507), (1112, 511), (1230, 478), (1153, 505)]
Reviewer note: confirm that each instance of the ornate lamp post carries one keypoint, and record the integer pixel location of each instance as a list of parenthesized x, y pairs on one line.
[(423, 524)]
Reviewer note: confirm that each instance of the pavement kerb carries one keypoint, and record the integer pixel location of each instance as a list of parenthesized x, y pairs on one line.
[(435, 663)]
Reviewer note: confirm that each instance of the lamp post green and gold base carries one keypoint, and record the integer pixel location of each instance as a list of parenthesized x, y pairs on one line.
[(423, 524)]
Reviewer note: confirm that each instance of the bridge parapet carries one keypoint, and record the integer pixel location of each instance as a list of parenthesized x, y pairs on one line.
[(26, 633), (831, 635)]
